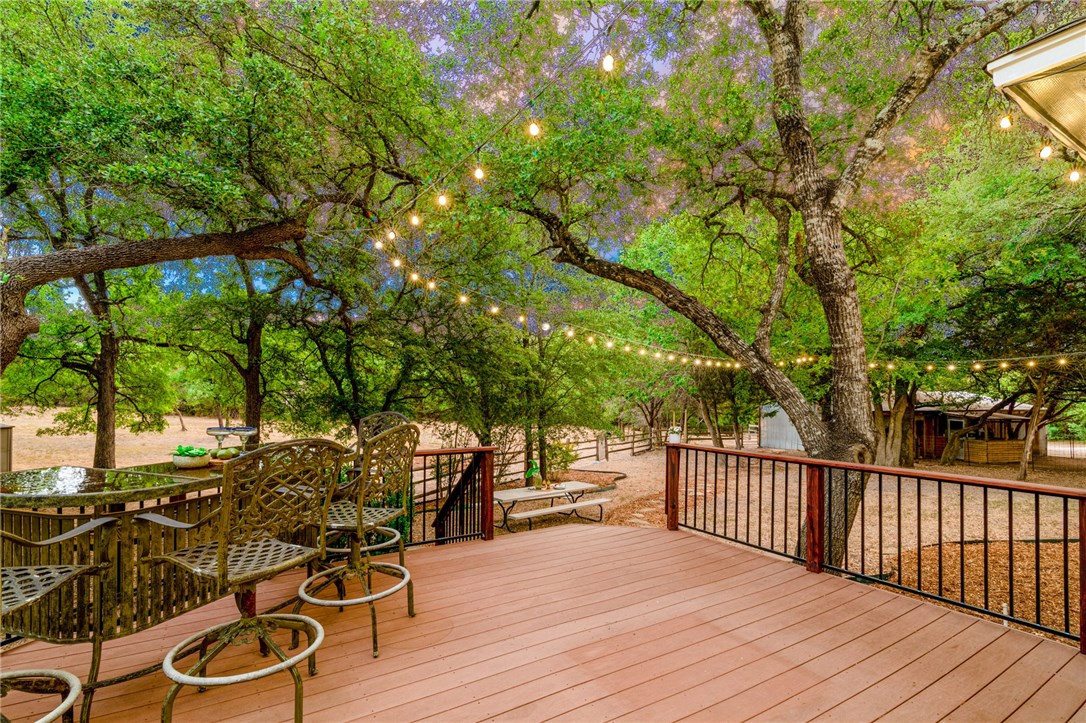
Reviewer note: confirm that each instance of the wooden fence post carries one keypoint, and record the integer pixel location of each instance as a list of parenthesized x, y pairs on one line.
[(488, 495), (671, 486), (815, 523)]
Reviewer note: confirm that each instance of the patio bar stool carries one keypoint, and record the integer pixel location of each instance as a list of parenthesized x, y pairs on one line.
[(23, 585), (43, 681), (270, 497), (381, 493)]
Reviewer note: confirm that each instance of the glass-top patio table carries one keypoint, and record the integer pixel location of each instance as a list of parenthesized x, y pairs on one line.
[(64, 486), (131, 594)]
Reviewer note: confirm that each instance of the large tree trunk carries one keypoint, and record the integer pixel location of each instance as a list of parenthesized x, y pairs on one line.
[(253, 376), (891, 429), (105, 435), (709, 417), (1034, 424)]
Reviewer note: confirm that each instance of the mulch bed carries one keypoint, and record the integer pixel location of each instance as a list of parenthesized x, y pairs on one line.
[(1052, 587)]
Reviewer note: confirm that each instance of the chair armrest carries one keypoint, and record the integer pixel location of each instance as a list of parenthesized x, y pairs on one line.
[(74, 532), (164, 521)]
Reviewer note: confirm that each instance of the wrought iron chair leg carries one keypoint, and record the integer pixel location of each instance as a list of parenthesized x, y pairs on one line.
[(92, 678), (410, 586), (167, 705), (265, 638), (295, 628)]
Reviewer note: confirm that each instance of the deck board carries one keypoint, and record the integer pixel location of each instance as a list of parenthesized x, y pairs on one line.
[(590, 622)]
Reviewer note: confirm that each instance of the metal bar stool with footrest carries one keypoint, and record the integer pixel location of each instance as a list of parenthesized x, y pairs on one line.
[(381, 494), (271, 500), (22, 585), (44, 682)]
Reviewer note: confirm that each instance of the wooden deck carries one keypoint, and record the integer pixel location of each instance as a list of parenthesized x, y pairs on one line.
[(590, 623)]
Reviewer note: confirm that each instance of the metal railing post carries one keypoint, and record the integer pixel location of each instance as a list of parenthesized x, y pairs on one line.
[(814, 522), (671, 486)]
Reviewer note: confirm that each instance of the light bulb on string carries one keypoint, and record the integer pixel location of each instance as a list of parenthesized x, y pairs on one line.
[(545, 326), (1031, 364), (1003, 365), (626, 348), (610, 344), (391, 235), (642, 352), (930, 367), (951, 367), (378, 245), (534, 130), (442, 200), (1005, 122), (697, 362), (718, 363), (397, 263), (494, 310), (1046, 153), (729, 364), (431, 285), (521, 318), (977, 366), (890, 365), (736, 365), (1074, 176), (415, 220), (590, 339), (463, 298), (683, 360), (479, 174), (671, 357), (414, 276), (608, 63), (1061, 361), (657, 355), (569, 333)]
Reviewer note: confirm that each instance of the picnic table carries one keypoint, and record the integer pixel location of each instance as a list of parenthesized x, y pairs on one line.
[(573, 491)]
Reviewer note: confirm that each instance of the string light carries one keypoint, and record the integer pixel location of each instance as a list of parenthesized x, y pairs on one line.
[(1074, 176), (533, 129), (494, 310), (951, 367), (391, 235), (569, 333), (610, 344), (930, 367), (378, 245), (626, 348), (1046, 153), (1003, 365), (1061, 361), (590, 339), (671, 357), (479, 175), (431, 285), (463, 299), (414, 276), (1031, 364), (546, 326), (977, 366), (642, 352), (1005, 122), (683, 360), (397, 263), (442, 200), (890, 365), (415, 220), (608, 63), (657, 355), (521, 318)]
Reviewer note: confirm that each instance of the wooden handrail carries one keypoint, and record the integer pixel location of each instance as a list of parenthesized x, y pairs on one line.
[(1068, 492), (453, 450)]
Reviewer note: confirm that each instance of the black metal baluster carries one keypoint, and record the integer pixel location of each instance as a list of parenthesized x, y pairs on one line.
[(898, 527), (939, 535), (747, 538), (961, 541), (716, 474), (1037, 555), (1066, 580), (761, 500), (773, 507), (686, 487), (882, 573), (919, 537), (1010, 550), (987, 606)]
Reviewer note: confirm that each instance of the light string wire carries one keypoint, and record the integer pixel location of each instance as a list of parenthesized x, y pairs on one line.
[(479, 147)]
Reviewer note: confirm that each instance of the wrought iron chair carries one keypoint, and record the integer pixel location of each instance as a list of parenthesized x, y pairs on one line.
[(270, 498), (381, 493), (22, 585), (366, 429)]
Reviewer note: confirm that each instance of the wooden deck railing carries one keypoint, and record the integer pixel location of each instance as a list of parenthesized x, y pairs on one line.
[(454, 495), (1010, 550)]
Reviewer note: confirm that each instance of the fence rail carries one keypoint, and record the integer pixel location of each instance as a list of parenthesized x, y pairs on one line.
[(1013, 551)]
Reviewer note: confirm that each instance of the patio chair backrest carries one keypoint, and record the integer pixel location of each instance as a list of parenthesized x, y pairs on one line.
[(367, 428), (387, 461), (374, 424), (277, 491)]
